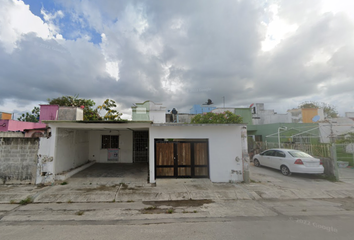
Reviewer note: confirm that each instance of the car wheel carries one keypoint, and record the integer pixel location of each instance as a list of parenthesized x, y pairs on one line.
[(285, 170), (256, 163)]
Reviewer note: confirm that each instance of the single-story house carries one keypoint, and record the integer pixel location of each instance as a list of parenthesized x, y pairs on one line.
[(171, 150)]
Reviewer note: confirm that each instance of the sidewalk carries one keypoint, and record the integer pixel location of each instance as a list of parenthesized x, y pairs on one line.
[(177, 189)]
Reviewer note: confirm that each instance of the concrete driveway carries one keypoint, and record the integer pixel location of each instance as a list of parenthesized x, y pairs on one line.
[(111, 173), (273, 177)]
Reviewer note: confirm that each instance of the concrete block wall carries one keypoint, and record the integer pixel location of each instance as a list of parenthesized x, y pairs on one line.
[(18, 160)]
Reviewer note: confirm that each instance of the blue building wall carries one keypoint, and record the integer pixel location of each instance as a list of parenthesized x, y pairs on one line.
[(198, 109)]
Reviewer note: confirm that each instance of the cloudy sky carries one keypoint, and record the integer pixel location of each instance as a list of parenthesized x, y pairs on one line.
[(180, 53)]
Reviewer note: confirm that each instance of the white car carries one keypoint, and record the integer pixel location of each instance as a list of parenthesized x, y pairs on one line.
[(289, 161)]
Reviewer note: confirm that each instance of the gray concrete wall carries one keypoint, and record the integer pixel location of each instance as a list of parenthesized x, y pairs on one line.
[(18, 160), (329, 167), (70, 114)]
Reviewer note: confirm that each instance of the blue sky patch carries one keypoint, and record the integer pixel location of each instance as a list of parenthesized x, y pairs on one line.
[(69, 29)]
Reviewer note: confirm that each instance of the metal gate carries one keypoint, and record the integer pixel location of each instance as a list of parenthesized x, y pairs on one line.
[(344, 156), (181, 159), (141, 146)]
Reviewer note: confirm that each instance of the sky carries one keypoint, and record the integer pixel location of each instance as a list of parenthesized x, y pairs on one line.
[(179, 53)]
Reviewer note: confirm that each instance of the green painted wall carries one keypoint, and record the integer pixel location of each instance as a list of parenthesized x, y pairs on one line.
[(293, 128), (141, 111), (246, 115)]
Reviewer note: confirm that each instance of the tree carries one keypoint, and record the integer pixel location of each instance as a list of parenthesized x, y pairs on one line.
[(111, 114), (90, 114), (30, 117), (328, 110), (218, 118)]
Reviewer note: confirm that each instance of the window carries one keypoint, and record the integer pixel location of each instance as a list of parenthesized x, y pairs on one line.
[(268, 153), (110, 141), (279, 154)]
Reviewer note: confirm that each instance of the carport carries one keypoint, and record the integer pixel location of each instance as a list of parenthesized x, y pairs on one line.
[(75, 145), (111, 174)]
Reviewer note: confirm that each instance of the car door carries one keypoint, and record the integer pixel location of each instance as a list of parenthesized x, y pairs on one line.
[(266, 158), (278, 159)]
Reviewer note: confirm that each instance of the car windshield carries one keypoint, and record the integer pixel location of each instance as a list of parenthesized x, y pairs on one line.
[(299, 154)]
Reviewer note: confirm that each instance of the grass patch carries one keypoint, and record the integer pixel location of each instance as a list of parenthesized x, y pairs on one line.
[(80, 213), (63, 183), (150, 208), (170, 211), (26, 201)]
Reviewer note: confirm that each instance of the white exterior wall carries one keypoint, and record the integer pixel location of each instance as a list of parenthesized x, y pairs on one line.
[(338, 126), (158, 116), (224, 147), (72, 149), (125, 153), (157, 112)]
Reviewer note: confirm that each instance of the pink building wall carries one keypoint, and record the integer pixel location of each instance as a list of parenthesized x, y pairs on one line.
[(13, 125), (48, 112)]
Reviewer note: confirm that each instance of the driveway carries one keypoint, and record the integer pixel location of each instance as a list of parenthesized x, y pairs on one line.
[(111, 173), (274, 177)]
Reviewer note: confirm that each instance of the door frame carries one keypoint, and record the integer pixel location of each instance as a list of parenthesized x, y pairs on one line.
[(175, 165)]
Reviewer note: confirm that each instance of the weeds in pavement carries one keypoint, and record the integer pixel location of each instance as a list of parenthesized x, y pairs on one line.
[(79, 213), (63, 183), (170, 211), (69, 201), (26, 201), (12, 201), (150, 208), (130, 201)]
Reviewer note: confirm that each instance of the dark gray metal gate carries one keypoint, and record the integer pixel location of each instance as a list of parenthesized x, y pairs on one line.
[(141, 146)]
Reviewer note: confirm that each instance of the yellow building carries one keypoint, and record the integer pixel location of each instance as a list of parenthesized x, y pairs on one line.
[(308, 114)]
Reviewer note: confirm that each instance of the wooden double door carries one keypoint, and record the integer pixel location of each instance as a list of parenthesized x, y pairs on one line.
[(181, 159)]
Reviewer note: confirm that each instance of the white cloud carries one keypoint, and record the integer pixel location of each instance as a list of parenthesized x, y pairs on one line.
[(15, 20), (277, 29)]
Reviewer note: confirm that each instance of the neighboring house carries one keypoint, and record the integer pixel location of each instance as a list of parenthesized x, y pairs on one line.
[(199, 109), (294, 133), (260, 115), (306, 115), (14, 125), (331, 129), (47, 112)]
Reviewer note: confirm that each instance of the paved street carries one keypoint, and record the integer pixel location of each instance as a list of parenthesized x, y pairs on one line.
[(103, 206), (219, 220)]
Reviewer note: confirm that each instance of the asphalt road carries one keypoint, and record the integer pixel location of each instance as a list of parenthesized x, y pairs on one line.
[(279, 227)]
